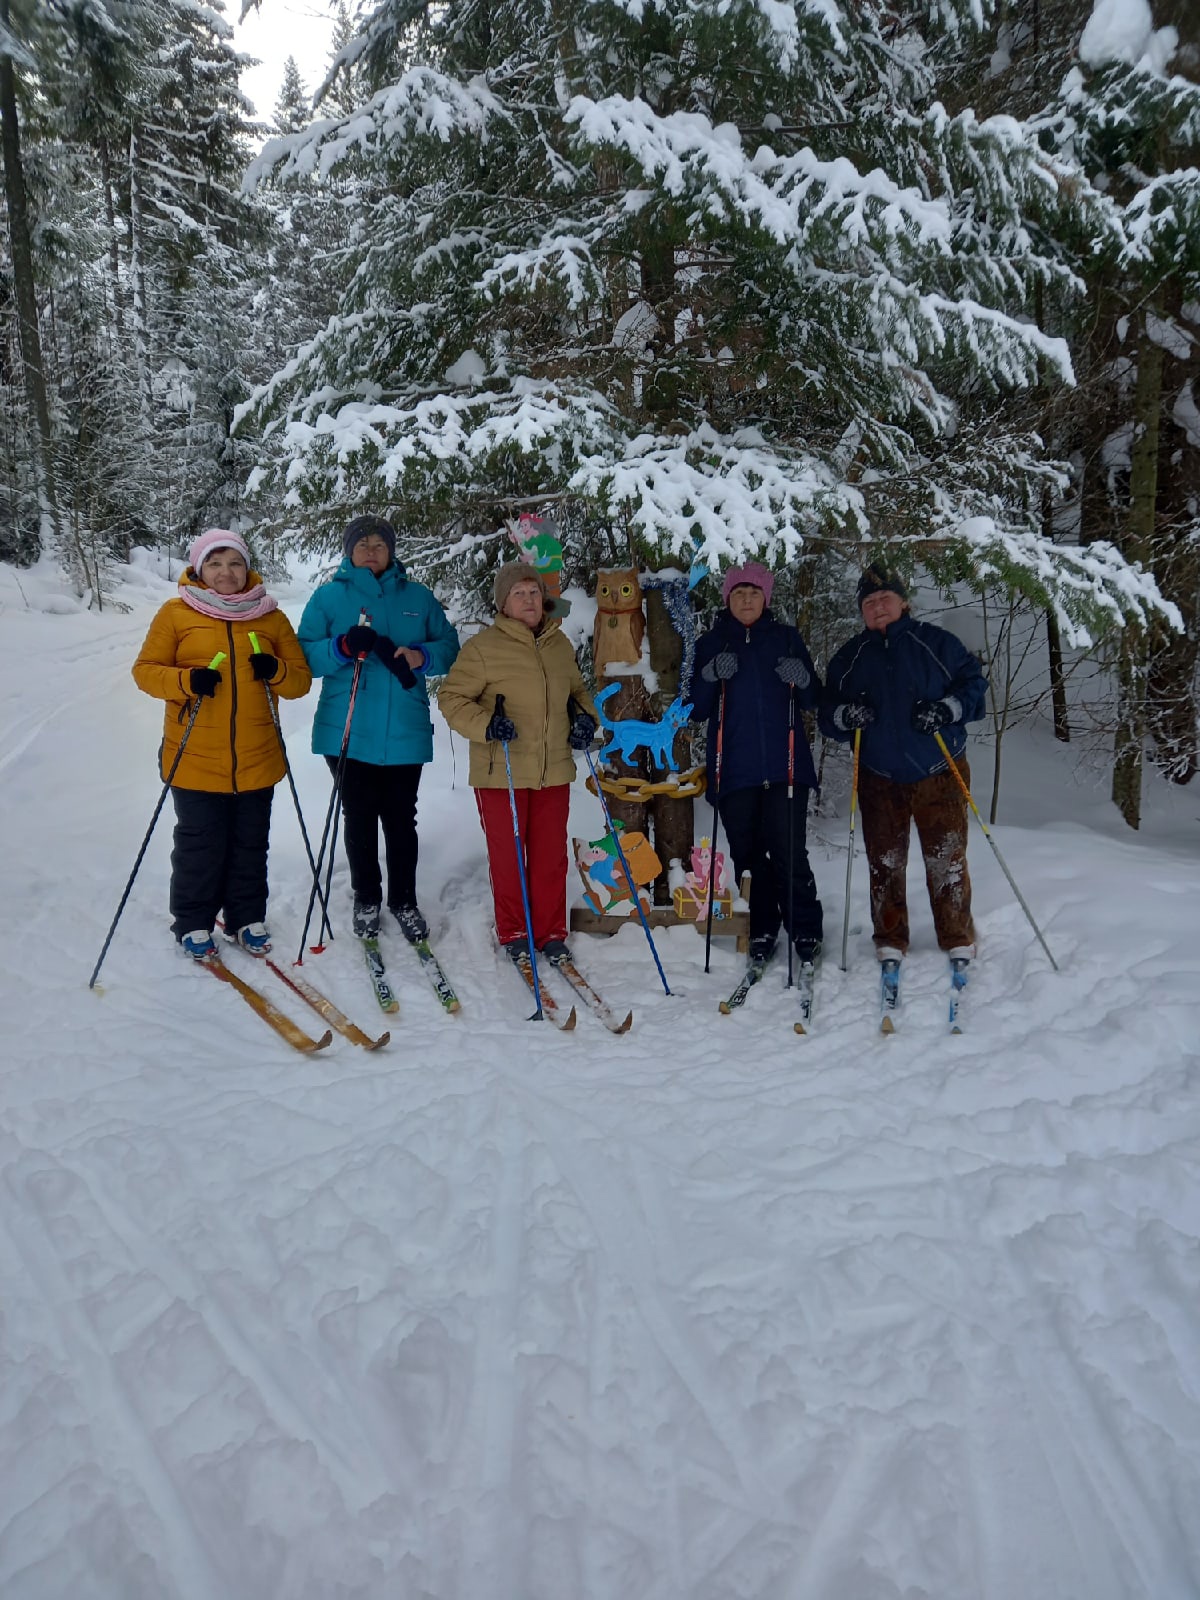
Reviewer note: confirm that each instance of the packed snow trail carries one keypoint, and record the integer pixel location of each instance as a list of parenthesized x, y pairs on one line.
[(703, 1312)]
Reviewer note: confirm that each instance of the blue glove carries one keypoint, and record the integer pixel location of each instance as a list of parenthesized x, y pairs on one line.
[(583, 731), (501, 729)]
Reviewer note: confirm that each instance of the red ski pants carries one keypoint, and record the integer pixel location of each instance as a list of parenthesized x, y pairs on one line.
[(542, 815)]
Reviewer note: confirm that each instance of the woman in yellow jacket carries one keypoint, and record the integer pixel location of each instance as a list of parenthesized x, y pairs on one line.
[(233, 759), (525, 658)]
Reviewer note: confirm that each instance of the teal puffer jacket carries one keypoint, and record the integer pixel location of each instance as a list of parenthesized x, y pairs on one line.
[(392, 725)]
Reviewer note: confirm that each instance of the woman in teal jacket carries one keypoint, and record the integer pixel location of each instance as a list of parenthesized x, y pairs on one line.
[(370, 609)]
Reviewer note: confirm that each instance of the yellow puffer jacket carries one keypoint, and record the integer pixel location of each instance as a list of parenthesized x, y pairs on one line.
[(536, 674), (233, 745)]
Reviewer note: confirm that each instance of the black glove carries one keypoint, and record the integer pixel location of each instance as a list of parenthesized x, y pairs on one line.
[(721, 668), (204, 680), (358, 640), (853, 714), (930, 715), (396, 665), (793, 672), (501, 728), (583, 731), (263, 666)]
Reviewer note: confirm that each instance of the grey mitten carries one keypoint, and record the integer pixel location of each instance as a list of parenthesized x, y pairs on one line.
[(721, 668), (793, 672)]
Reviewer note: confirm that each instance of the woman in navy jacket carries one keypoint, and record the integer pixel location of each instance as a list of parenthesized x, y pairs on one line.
[(903, 682), (768, 677), (405, 636)]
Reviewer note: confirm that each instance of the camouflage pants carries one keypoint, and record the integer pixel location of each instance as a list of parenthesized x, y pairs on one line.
[(937, 806)]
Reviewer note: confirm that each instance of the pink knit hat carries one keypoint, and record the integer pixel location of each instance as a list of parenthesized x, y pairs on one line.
[(754, 573), (216, 539)]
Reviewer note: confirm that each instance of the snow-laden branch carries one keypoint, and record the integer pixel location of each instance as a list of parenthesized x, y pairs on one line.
[(1087, 586), (422, 103), (685, 155), (718, 497)]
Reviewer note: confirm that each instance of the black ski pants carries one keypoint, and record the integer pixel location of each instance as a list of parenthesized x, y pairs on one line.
[(219, 860), (372, 796), (756, 821)]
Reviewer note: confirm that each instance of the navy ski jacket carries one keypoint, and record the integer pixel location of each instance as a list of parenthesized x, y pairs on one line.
[(892, 670), (755, 743)]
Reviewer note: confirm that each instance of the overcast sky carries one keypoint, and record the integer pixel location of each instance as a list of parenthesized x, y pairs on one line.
[(278, 29)]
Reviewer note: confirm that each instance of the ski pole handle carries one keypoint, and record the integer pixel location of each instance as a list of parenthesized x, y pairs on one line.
[(254, 642), (216, 660)]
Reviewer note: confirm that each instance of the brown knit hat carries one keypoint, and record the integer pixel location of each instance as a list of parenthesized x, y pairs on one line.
[(512, 573)]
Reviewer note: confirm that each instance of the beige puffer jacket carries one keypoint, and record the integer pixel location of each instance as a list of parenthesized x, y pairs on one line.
[(537, 674)]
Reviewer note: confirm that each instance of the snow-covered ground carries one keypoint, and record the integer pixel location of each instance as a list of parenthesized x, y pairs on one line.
[(705, 1312)]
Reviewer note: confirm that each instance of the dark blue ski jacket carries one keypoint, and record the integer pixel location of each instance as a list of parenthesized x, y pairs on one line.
[(892, 670), (755, 744)]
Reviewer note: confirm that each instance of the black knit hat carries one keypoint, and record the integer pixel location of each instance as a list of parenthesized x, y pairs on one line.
[(363, 527), (878, 580)]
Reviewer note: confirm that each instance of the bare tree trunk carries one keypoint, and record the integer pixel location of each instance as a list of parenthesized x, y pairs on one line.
[(1129, 735), (110, 217), (26, 295), (1058, 683)]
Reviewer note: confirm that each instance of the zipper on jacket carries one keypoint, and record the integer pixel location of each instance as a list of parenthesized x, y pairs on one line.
[(233, 707)]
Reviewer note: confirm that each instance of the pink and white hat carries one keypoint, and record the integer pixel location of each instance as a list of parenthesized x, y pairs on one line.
[(753, 573), (216, 539)]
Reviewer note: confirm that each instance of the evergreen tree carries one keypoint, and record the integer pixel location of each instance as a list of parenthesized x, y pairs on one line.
[(292, 108), (721, 277)]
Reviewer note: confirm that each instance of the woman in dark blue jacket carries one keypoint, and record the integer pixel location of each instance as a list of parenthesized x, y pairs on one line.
[(903, 682), (767, 676), (406, 635)]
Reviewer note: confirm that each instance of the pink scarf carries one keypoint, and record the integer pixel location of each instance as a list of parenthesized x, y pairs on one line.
[(248, 606)]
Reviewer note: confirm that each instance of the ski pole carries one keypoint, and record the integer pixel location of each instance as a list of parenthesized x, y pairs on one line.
[(287, 767), (791, 817), (712, 858), (334, 806), (539, 1014), (637, 899), (213, 665), (987, 833), (850, 852)]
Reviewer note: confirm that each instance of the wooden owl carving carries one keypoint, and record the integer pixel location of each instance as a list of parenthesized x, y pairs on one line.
[(620, 623)]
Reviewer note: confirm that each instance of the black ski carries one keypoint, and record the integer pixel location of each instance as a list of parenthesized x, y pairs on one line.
[(378, 975), (751, 976), (806, 977)]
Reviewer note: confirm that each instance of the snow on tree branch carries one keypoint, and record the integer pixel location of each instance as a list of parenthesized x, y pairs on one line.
[(422, 103)]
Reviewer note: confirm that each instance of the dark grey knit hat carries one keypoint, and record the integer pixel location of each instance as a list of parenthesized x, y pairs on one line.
[(877, 580), (364, 526)]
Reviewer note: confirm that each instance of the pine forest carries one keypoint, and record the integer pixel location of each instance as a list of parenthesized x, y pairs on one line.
[(806, 281)]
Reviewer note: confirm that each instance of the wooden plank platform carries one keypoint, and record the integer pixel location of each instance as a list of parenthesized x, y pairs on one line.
[(736, 926)]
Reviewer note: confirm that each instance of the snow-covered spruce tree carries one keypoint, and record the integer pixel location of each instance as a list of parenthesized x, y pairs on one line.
[(720, 273), (1129, 113)]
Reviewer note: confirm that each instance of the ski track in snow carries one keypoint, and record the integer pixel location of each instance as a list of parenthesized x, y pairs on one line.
[(703, 1312)]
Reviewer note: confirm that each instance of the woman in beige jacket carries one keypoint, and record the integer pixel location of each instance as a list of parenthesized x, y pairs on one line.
[(514, 683)]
